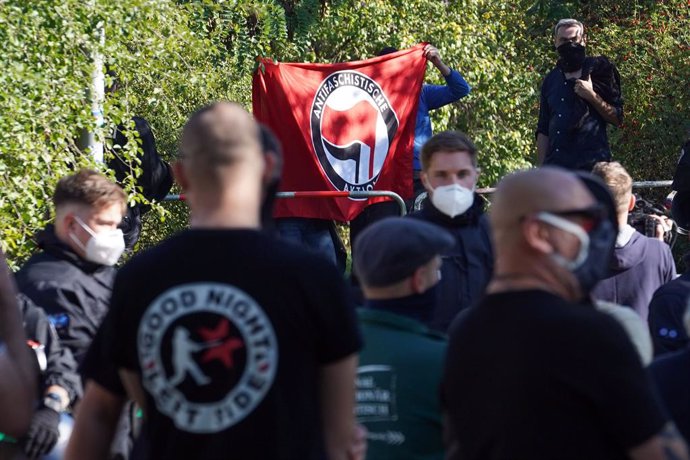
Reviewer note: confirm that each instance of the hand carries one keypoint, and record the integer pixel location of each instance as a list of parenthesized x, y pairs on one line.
[(358, 449), (584, 88), (663, 225), (431, 54), (43, 433)]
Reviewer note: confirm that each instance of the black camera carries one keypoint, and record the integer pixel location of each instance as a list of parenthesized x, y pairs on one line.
[(642, 219)]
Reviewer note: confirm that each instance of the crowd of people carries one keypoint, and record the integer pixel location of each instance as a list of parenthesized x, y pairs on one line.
[(546, 327)]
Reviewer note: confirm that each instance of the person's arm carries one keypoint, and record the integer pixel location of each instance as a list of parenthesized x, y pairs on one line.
[(130, 380), (543, 127), (455, 88), (585, 90), (337, 396), (667, 445), (95, 424), (17, 365)]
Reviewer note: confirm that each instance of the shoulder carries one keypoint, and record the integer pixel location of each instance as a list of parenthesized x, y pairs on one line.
[(551, 77), (668, 368), (674, 292), (45, 271)]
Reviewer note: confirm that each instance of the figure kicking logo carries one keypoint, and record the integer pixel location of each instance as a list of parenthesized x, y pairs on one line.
[(184, 347), (183, 362), (208, 355)]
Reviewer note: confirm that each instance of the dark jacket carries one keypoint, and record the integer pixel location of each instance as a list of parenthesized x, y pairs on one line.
[(155, 180), (671, 373), (61, 368), (467, 267), (638, 269), (73, 292), (666, 312)]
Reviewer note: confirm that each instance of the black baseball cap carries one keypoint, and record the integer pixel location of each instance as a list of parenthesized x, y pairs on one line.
[(392, 249)]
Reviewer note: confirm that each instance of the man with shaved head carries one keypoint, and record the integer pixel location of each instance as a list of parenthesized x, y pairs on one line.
[(534, 371), (234, 344)]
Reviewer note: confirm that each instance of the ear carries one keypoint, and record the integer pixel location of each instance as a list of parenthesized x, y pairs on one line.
[(179, 174), (271, 163), (631, 205), (63, 222), (425, 182), (536, 236), (417, 284)]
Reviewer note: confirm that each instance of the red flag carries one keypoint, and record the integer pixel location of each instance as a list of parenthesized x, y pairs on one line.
[(343, 127)]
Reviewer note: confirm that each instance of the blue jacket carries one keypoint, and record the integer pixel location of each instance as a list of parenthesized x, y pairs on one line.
[(467, 267), (433, 97), (638, 269)]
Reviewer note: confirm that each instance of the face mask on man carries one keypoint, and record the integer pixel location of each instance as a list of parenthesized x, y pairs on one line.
[(572, 56), (591, 264), (453, 199), (104, 248)]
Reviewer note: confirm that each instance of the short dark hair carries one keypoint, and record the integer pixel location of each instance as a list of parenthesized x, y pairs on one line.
[(387, 50), (270, 143), (90, 188), (448, 141)]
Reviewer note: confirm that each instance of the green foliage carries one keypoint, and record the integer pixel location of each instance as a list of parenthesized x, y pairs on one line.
[(173, 56)]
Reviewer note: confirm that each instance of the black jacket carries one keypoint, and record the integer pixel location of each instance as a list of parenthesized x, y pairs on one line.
[(61, 368), (666, 312), (73, 292), (467, 267)]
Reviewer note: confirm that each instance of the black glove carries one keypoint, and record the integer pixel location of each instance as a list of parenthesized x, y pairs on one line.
[(43, 433)]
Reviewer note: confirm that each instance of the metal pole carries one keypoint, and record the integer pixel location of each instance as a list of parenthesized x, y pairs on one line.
[(370, 194), (97, 94)]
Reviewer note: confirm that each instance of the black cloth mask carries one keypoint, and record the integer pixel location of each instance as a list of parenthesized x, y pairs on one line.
[(572, 56), (595, 268)]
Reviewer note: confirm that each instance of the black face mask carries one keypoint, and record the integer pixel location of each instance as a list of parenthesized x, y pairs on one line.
[(596, 267), (572, 56)]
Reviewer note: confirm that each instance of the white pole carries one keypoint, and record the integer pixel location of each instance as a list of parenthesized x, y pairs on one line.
[(97, 92)]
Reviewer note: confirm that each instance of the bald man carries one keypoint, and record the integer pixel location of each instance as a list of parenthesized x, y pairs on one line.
[(533, 371), (234, 344)]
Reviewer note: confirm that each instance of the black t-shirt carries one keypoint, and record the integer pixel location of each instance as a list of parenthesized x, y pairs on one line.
[(531, 376), (228, 330)]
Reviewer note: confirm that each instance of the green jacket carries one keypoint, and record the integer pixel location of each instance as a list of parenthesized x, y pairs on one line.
[(398, 387)]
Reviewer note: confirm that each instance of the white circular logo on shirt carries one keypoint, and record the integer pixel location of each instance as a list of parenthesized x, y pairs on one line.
[(208, 355)]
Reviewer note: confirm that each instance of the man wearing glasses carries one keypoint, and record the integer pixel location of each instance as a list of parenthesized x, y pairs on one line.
[(578, 98), (534, 371)]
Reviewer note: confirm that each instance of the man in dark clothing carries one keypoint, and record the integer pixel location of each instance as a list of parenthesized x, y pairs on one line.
[(449, 162), (640, 264), (59, 382), (218, 362), (578, 98), (531, 371), (399, 262), (671, 374), (155, 180), (432, 97), (71, 277), (669, 302)]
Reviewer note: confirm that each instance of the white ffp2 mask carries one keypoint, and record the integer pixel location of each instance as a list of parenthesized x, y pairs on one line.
[(103, 248), (453, 199)]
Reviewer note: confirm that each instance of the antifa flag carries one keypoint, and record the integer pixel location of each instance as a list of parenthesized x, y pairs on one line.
[(344, 127)]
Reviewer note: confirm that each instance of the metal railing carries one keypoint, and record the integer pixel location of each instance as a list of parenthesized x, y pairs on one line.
[(330, 194)]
